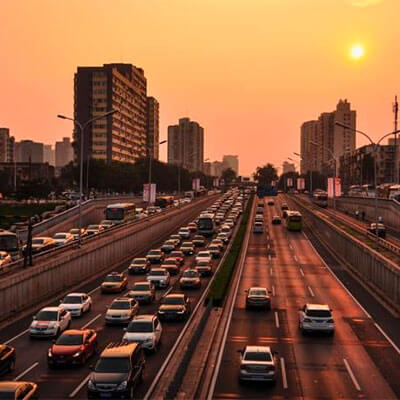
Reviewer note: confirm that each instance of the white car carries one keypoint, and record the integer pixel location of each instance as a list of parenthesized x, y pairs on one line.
[(159, 276), (50, 322), (226, 229), (203, 255), (184, 233), (316, 317), (224, 237), (144, 329), (76, 303), (63, 238), (121, 310), (258, 227)]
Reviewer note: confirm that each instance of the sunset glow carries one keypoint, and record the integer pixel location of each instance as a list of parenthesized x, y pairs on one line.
[(357, 51)]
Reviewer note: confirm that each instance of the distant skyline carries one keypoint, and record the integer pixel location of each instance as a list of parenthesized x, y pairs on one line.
[(249, 71)]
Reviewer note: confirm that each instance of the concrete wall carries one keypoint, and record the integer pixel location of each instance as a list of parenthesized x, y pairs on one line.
[(54, 275)]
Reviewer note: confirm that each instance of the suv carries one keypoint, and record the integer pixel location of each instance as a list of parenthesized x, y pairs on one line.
[(117, 372), (316, 317), (121, 310), (144, 329), (143, 292)]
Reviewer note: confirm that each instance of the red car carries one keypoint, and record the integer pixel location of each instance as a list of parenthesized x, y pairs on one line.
[(73, 347), (178, 255)]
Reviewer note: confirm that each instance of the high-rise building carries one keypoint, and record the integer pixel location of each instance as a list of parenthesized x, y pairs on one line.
[(153, 129), (322, 140), (49, 154), (231, 162), (64, 152), (288, 167), (186, 145), (122, 135), (217, 168), (7, 146), (29, 151), (207, 168)]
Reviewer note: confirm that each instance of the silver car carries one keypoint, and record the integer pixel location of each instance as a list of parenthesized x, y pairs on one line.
[(316, 318)]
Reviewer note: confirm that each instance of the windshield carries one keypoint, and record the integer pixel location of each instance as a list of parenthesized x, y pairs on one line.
[(113, 278), (116, 365), (73, 300), (93, 227), (214, 247), (258, 293), (190, 274), (157, 273), (60, 236), (120, 305), (47, 316), (176, 254), (113, 214), (170, 242), (174, 301), (169, 262), (203, 254), (257, 356), (140, 327), (139, 288), (203, 263), (37, 241), (295, 218), (9, 242), (74, 231), (319, 313), (154, 252), (205, 223), (70, 340), (187, 244), (198, 238), (139, 261)]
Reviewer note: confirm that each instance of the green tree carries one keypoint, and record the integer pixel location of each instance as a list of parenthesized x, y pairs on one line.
[(229, 176), (266, 174)]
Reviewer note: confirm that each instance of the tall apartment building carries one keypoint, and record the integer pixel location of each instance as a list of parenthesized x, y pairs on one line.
[(186, 144), (330, 139), (231, 162), (120, 136), (7, 146), (49, 154), (29, 151), (64, 152), (288, 167), (153, 128)]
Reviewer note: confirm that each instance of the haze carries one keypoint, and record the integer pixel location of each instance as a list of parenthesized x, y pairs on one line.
[(250, 71)]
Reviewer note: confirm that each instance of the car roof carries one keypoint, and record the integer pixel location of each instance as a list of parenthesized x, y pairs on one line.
[(51, 309), (258, 349), (311, 306), (11, 386), (144, 317), (158, 269), (140, 258), (119, 350), (175, 295), (257, 288), (76, 294), (74, 331)]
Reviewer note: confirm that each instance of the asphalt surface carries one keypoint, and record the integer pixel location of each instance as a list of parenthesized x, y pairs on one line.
[(31, 363), (357, 362)]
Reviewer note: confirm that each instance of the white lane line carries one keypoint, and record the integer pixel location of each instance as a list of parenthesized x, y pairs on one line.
[(26, 371), (271, 271), (301, 271), (79, 387), (387, 338), (284, 377), (91, 321), (276, 319), (273, 290), (167, 292), (295, 259), (290, 246), (93, 290), (269, 257), (353, 378), (17, 336), (311, 291)]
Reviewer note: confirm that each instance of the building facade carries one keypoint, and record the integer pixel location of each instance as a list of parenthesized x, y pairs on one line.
[(217, 167), (7, 146), (27, 171), (186, 145), (49, 154), (64, 152), (153, 128), (122, 135), (288, 167), (231, 162), (29, 151)]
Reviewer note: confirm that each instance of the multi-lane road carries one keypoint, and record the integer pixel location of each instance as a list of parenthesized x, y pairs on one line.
[(357, 362)]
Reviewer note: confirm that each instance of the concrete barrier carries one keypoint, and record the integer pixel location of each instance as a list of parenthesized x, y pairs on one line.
[(54, 275)]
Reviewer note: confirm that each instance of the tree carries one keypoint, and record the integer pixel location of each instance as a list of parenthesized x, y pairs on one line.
[(229, 176), (266, 174)]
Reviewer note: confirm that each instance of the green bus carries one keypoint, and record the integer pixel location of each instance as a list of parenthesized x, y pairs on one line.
[(293, 221), (120, 212)]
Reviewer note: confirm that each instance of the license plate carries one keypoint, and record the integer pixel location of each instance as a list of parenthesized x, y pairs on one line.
[(105, 395)]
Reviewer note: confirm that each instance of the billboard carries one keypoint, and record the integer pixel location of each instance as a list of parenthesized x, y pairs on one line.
[(289, 182), (149, 192), (301, 184), (196, 184), (216, 182), (334, 187)]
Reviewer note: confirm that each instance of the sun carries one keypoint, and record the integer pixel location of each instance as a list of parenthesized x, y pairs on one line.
[(357, 51)]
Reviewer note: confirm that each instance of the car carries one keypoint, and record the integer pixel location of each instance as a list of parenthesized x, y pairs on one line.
[(144, 329), (171, 265), (192, 226), (168, 246), (380, 232), (75, 233), (143, 292), (285, 213), (226, 229), (258, 297), (258, 227), (176, 238), (203, 255), (50, 322), (155, 256), (224, 237), (76, 303), (316, 318), (139, 266), (218, 242), (121, 311), (40, 244), (73, 347), (257, 363), (94, 229), (259, 210), (204, 267), (114, 282), (187, 248), (284, 206), (19, 390), (5, 258), (276, 220), (117, 372), (215, 250), (7, 359), (159, 276), (107, 224), (184, 233), (178, 255), (190, 279), (199, 241), (271, 202), (174, 307)]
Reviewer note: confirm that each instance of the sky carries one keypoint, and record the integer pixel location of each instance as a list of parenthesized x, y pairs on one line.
[(249, 71)]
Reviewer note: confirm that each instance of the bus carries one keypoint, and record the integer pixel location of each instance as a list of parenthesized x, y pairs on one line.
[(164, 201), (354, 191), (9, 242), (320, 198), (206, 225), (120, 212), (293, 221)]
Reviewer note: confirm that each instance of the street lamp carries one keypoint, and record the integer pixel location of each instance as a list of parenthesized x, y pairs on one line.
[(82, 127), (150, 163), (375, 146), (311, 185)]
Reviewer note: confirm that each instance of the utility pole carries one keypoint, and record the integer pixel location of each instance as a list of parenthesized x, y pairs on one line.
[(396, 162)]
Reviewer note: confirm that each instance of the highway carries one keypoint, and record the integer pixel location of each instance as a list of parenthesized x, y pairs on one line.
[(357, 362)]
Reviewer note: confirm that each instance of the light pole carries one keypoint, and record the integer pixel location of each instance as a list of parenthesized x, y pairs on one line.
[(375, 146), (150, 164), (82, 127), (310, 187)]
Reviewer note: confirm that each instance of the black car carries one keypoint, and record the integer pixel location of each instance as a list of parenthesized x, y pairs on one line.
[(7, 359), (117, 372), (276, 220)]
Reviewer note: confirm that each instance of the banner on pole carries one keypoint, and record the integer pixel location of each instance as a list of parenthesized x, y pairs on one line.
[(196, 184), (289, 182), (149, 192), (301, 184)]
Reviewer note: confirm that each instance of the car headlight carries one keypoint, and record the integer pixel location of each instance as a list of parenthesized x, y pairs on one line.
[(77, 354), (49, 353), (161, 311), (122, 386), (53, 325), (180, 312), (91, 385)]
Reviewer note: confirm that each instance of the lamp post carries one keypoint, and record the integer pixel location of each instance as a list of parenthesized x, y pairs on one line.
[(310, 187), (375, 146), (81, 126), (150, 164)]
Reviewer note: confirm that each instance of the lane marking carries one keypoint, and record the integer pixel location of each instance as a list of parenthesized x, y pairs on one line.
[(26, 371), (168, 291), (79, 387), (273, 290), (290, 246), (17, 336), (270, 271), (301, 271), (387, 338), (311, 291), (284, 377), (276, 319), (295, 259), (353, 378), (93, 290), (91, 321)]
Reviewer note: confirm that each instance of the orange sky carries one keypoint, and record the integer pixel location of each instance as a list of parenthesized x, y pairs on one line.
[(250, 71)]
